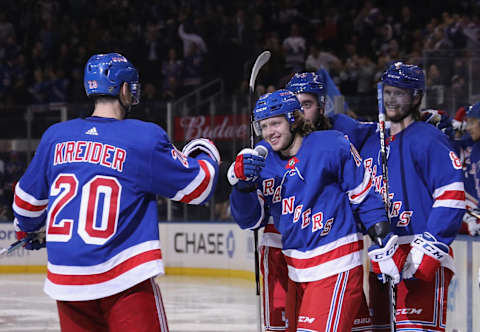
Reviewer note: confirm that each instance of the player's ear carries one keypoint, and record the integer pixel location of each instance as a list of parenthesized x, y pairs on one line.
[(125, 94)]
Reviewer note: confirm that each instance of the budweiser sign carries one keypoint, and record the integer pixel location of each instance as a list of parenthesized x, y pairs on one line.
[(218, 127)]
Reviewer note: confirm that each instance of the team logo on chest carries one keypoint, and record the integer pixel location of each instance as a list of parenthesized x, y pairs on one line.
[(291, 163)]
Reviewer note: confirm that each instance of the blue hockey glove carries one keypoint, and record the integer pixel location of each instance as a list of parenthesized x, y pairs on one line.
[(37, 239), (387, 259), (246, 168), (426, 255)]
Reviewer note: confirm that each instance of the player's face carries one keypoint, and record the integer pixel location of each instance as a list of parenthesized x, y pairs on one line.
[(276, 131), (311, 109), (397, 101), (473, 128)]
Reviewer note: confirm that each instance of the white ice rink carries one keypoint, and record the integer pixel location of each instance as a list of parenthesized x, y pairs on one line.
[(201, 304)]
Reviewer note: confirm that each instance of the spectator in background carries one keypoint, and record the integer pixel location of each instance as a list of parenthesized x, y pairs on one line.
[(365, 72), (192, 69), (39, 89), (189, 38), (152, 49), (172, 67), (317, 59), (57, 84), (294, 47), (6, 27)]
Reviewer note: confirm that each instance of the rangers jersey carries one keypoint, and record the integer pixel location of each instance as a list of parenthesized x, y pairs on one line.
[(425, 181), (92, 183), (359, 133), (312, 198), (467, 151)]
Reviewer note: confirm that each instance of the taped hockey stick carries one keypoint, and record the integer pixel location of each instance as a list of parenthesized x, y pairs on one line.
[(14, 245), (261, 60), (392, 297)]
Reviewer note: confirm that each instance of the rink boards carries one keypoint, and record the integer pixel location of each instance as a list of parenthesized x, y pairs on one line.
[(223, 249)]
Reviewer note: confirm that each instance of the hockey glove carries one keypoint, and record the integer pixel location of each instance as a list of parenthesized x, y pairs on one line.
[(36, 241), (471, 223), (198, 145), (426, 255), (387, 259), (245, 169)]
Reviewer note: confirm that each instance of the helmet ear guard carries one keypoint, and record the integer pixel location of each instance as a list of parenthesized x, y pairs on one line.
[(105, 74), (280, 102)]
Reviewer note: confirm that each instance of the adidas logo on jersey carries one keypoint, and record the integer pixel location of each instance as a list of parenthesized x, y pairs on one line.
[(92, 131)]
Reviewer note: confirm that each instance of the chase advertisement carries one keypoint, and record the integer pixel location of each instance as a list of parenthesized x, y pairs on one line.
[(201, 245)]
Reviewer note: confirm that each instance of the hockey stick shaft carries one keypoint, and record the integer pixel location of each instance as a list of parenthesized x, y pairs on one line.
[(260, 61), (14, 245), (386, 199), (473, 213)]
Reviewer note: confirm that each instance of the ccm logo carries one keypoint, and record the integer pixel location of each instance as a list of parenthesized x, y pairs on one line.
[(384, 255), (305, 319), (409, 311)]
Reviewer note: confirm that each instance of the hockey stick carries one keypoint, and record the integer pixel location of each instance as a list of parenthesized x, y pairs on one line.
[(473, 213), (14, 245), (261, 60), (383, 151)]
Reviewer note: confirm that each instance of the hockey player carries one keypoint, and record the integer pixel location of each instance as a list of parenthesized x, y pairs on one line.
[(427, 201), (90, 189), (471, 219), (310, 91), (309, 183)]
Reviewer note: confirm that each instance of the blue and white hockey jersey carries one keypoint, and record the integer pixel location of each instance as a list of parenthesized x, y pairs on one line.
[(360, 133), (426, 189), (312, 198), (469, 154), (93, 182)]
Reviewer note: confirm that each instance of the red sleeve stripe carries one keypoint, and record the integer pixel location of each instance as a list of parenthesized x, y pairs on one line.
[(27, 206), (90, 279), (338, 252), (452, 194), (202, 187)]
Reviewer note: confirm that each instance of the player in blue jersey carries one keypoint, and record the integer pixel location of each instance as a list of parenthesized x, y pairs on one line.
[(471, 218), (90, 189), (312, 184), (426, 204), (310, 91)]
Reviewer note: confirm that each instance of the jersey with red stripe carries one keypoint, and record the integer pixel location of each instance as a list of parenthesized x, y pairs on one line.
[(312, 198), (426, 188), (93, 182)]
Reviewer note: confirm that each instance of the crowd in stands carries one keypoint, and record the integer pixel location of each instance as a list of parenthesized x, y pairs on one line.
[(178, 45)]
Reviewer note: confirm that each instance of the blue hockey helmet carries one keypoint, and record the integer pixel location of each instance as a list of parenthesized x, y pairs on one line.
[(105, 74), (307, 83), (474, 111), (281, 102), (405, 76)]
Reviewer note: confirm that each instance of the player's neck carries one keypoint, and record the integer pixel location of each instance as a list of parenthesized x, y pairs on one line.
[(293, 148), (109, 110), (397, 127)]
